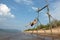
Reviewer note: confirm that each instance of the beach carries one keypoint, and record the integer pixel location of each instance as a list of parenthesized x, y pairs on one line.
[(17, 36), (23, 36), (47, 33)]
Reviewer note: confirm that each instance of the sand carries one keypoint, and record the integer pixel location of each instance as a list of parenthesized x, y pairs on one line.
[(55, 32)]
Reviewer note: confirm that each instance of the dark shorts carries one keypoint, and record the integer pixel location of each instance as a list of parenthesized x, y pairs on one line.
[(32, 24)]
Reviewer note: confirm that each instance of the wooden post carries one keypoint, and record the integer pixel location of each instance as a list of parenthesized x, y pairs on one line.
[(49, 19)]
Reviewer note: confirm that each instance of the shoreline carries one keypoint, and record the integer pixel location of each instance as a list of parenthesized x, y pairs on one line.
[(55, 33)]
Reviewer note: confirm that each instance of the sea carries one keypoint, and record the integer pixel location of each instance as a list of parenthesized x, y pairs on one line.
[(12, 34)]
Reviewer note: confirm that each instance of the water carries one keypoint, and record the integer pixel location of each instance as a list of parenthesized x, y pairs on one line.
[(23, 36)]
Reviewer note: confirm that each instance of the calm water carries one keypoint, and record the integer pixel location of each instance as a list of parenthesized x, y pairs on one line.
[(23, 36)]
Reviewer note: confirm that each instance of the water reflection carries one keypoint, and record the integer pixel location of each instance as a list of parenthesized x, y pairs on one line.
[(45, 38), (25, 36)]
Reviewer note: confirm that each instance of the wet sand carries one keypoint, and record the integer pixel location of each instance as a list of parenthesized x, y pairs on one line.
[(24, 36), (17, 36), (55, 35)]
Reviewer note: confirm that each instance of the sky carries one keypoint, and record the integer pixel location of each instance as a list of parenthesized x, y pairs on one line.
[(16, 14)]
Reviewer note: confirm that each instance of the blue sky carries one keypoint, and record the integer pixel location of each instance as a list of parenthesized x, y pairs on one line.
[(16, 14)]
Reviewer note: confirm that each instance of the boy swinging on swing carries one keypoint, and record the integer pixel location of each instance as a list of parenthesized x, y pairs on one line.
[(33, 23)]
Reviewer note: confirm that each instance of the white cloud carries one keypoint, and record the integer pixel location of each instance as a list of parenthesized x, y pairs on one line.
[(18, 1), (5, 11), (27, 2), (34, 8), (56, 10)]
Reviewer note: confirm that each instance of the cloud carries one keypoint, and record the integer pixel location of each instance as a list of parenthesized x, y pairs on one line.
[(18, 1), (27, 2), (55, 10), (5, 11), (34, 8)]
